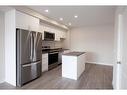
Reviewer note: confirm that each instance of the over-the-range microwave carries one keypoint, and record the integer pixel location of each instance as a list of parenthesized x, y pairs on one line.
[(49, 36)]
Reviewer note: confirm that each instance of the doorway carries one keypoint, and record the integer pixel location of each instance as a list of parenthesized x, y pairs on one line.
[(120, 66)]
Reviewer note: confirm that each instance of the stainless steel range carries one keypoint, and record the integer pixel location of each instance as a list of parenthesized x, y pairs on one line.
[(53, 59), (53, 55)]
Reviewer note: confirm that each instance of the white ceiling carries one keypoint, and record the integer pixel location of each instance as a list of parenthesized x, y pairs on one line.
[(87, 15)]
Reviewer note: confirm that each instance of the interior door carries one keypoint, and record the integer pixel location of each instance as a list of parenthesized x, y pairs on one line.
[(124, 53), (120, 68), (118, 53)]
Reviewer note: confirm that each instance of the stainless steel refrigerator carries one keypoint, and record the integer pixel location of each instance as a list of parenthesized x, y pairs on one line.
[(29, 55)]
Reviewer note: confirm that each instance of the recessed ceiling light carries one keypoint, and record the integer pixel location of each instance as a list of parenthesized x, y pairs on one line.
[(46, 10), (69, 23), (75, 16), (61, 19)]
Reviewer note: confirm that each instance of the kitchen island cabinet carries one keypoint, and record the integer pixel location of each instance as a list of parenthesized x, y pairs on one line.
[(73, 64)]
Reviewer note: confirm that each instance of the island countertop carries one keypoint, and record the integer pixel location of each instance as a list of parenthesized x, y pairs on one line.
[(74, 53)]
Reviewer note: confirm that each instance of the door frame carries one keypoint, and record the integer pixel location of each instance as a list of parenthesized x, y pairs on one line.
[(118, 54)]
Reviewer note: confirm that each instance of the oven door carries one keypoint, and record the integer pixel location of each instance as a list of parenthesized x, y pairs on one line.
[(53, 60)]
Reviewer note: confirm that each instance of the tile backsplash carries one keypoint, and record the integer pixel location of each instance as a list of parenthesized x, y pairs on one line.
[(52, 44)]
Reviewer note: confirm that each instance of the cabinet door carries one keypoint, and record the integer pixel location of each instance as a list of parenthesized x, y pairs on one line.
[(44, 62), (57, 35), (63, 34), (45, 56), (48, 29), (25, 21), (44, 67), (41, 29)]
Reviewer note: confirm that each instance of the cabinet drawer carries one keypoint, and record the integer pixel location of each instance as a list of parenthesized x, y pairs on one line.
[(45, 55), (44, 67), (44, 61), (46, 58)]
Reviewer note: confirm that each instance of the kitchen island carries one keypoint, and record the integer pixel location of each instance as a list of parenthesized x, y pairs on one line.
[(73, 64)]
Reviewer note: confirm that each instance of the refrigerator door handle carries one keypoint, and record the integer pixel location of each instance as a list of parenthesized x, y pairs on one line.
[(26, 65), (31, 47), (34, 43), (34, 37)]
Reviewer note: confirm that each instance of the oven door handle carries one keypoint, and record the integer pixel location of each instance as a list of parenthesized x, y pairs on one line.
[(53, 52)]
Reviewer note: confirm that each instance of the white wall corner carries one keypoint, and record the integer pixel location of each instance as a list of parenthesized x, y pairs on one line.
[(10, 47), (2, 51)]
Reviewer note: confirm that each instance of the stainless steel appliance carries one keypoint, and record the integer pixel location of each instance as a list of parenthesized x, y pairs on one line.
[(53, 59), (60, 57), (49, 36), (29, 55)]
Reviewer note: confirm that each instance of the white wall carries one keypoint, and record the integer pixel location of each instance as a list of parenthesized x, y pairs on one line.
[(97, 41), (10, 47), (2, 64), (66, 42)]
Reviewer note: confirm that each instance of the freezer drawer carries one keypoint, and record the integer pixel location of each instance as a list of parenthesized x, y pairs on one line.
[(30, 72)]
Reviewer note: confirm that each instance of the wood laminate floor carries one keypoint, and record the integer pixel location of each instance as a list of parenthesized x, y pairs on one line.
[(94, 77)]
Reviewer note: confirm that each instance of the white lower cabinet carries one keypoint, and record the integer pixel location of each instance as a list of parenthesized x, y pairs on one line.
[(44, 62), (73, 66)]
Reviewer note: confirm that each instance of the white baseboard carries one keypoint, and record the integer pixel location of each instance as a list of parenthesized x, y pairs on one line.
[(100, 63)]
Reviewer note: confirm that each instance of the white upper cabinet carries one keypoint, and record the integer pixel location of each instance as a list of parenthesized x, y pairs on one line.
[(41, 29), (47, 29), (26, 21), (63, 34), (58, 32), (57, 35)]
